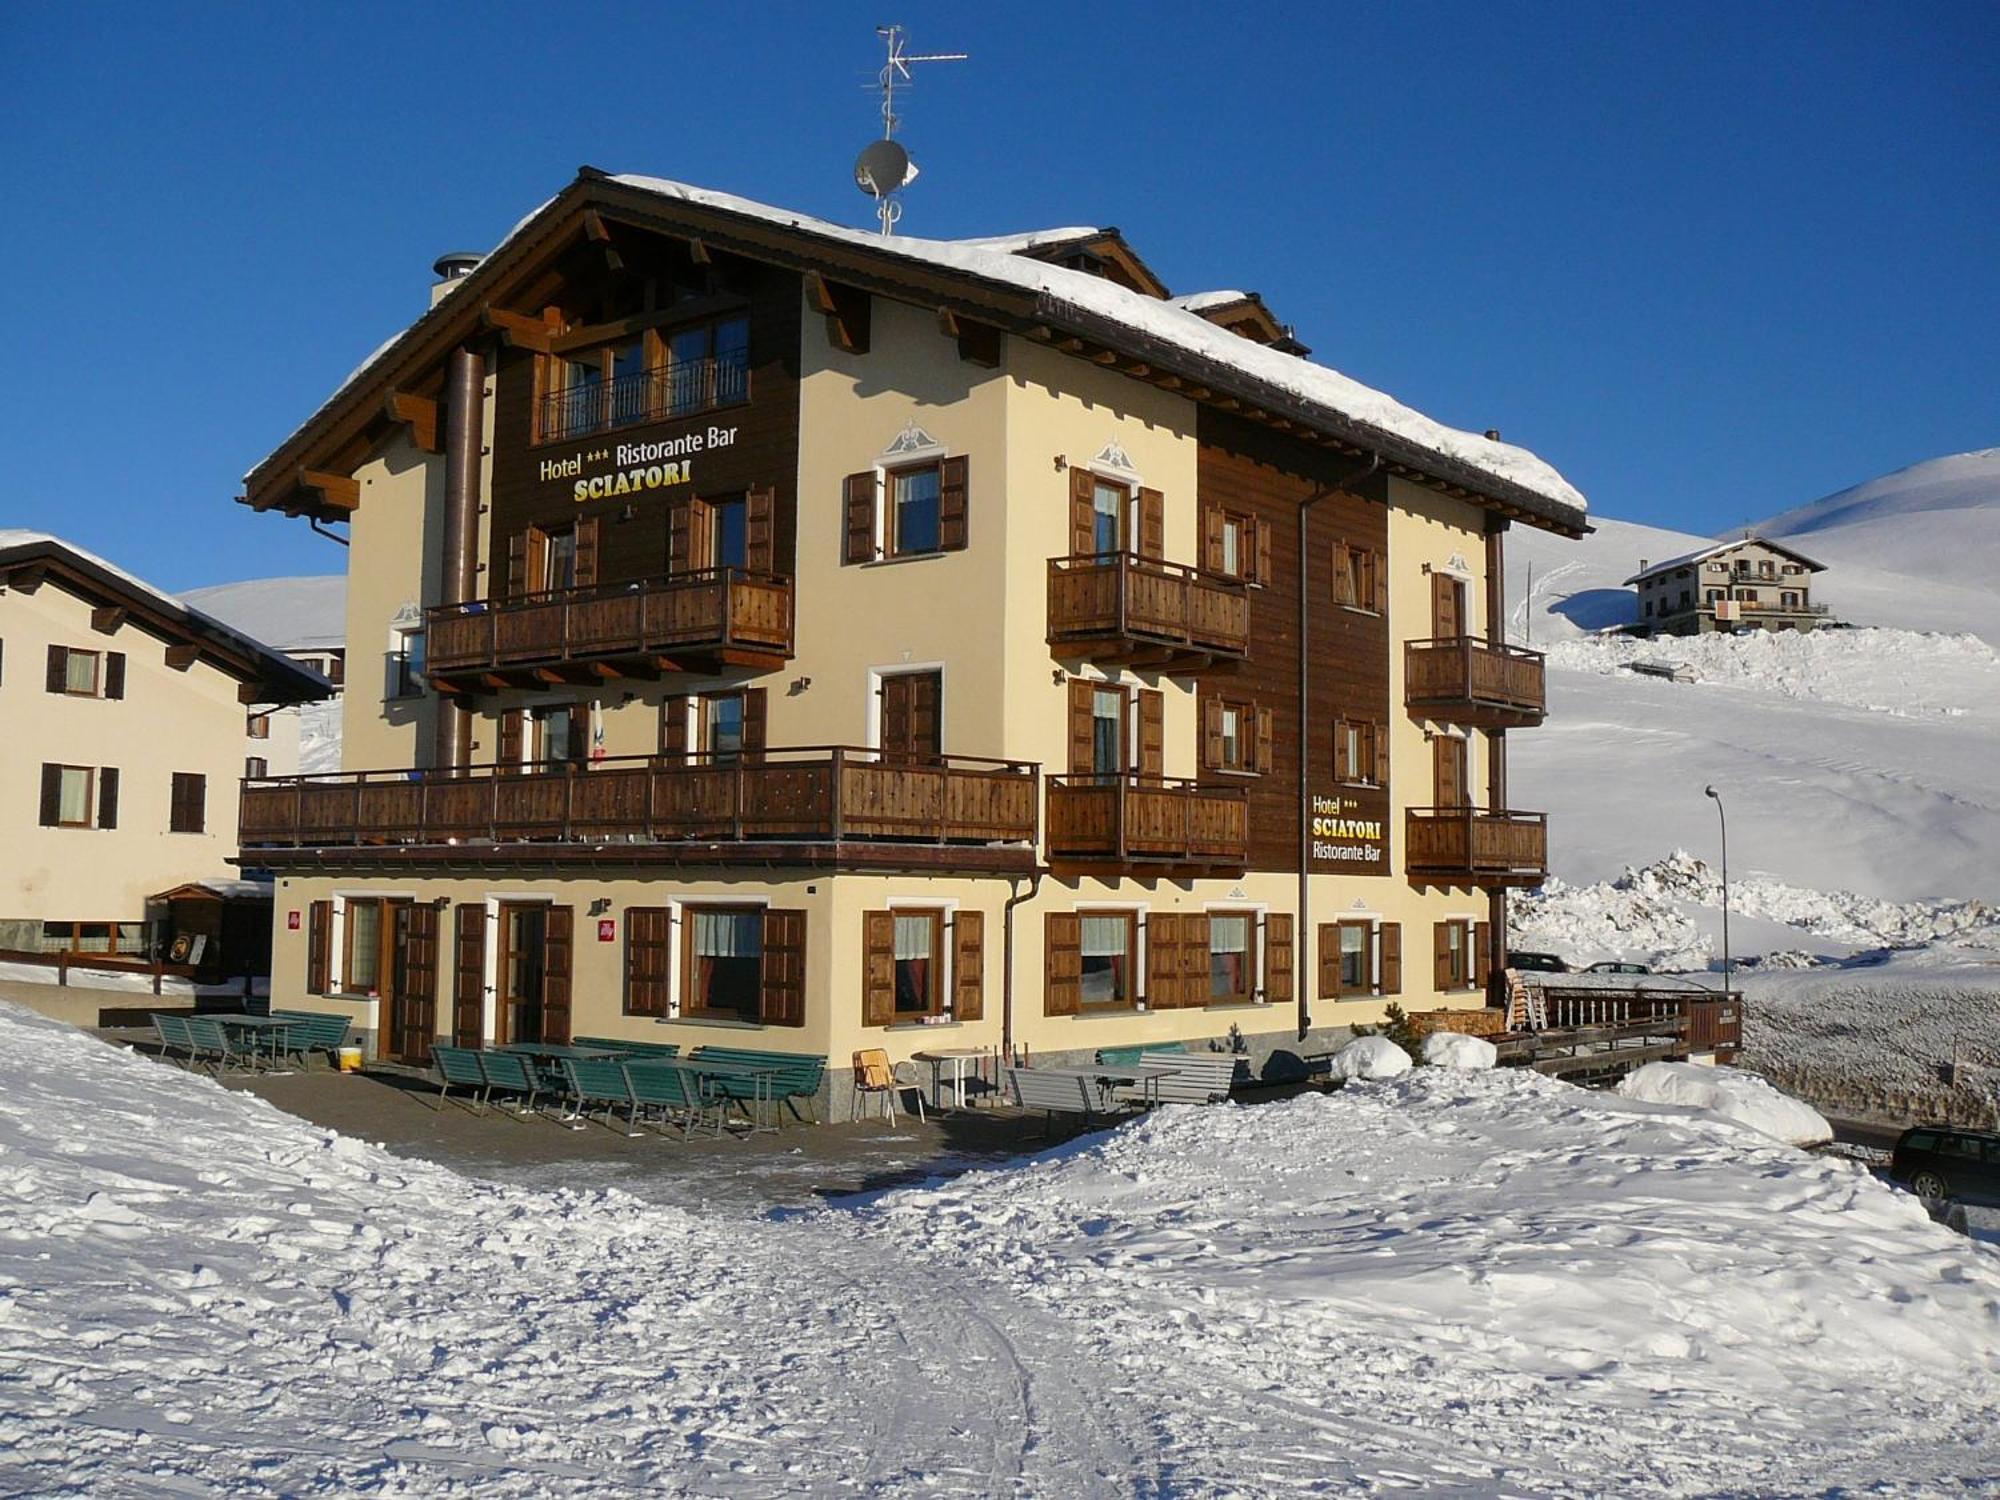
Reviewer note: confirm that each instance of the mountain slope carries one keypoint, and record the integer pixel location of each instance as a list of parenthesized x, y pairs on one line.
[(289, 613), (1939, 519)]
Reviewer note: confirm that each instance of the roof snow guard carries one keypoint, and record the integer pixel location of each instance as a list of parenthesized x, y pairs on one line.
[(1004, 282)]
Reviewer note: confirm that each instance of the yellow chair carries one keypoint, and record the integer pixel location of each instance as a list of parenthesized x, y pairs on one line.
[(873, 1076)]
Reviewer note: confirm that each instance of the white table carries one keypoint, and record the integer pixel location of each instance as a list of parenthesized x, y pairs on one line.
[(955, 1058), (1108, 1076)]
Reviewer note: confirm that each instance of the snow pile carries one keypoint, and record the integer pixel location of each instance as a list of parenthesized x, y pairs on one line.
[(1900, 672), (319, 737), (1512, 1284), (1732, 1094), (1370, 1057), (1451, 1049), (1607, 919)]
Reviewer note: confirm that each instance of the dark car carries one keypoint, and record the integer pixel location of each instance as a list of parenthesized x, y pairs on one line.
[(1538, 963), (1616, 966), (1948, 1161)]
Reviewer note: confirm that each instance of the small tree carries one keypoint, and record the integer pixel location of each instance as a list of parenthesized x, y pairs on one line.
[(1398, 1028)]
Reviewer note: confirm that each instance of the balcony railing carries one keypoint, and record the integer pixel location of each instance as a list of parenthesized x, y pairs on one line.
[(1470, 846), (694, 621), (680, 389), (1466, 680), (1135, 821), (1115, 607), (810, 795)]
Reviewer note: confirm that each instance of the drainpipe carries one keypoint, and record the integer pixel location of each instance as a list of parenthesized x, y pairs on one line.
[(1496, 758), (465, 400), (1302, 942), (1019, 897)]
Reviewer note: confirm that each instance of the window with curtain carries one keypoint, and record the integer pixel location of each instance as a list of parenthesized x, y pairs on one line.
[(1232, 737), (917, 945), (1231, 969), (722, 725), (1107, 517), (1354, 976), (914, 525), (362, 974), (1107, 733), (80, 673), (74, 807), (725, 961), (1108, 944)]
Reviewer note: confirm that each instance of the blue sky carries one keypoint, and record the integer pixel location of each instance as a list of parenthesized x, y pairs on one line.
[(1710, 260)]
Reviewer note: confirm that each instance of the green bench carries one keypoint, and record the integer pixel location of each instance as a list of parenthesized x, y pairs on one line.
[(630, 1049), (313, 1031), (1125, 1057), (795, 1075)]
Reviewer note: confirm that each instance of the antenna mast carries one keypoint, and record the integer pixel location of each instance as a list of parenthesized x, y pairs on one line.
[(885, 167)]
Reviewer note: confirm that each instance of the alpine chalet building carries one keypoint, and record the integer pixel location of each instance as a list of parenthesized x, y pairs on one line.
[(812, 640)]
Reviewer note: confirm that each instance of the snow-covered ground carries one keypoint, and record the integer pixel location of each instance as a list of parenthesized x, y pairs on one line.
[(1463, 1283)]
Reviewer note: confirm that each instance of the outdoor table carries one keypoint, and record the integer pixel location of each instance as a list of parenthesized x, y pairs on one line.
[(765, 1115), (955, 1058), (556, 1051), (274, 1033)]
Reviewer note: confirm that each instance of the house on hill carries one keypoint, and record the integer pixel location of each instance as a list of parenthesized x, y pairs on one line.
[(836, 641), (1751, 583)]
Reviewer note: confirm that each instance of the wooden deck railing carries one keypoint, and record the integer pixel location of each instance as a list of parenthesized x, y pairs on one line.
[(1465, 674), (808, 794), (1137, 821), (1476, 846), (715, 609), (1714, 1018), (1113, 601)]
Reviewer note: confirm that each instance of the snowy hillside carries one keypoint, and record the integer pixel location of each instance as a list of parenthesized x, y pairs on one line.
[(289, 613), (1420, 1286), (1939, 519)]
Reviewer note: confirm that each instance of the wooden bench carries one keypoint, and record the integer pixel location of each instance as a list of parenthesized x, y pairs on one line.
[(1198, 1078), (1057, 1093)]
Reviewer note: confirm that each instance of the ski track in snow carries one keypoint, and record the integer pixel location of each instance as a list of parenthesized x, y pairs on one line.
[(1456, 1285)]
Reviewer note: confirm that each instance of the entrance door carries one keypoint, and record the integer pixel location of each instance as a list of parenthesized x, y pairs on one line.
[(413, 982), (468, 1027), (523, 965), (912, 717), (1447, 606), (1448, 763)]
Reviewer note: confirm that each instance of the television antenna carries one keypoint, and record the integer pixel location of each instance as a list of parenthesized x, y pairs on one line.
[(884, 168)]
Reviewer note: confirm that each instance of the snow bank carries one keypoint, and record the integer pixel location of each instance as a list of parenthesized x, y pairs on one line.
[(1450, 1049), (1370, 1057), (1731, 1093)]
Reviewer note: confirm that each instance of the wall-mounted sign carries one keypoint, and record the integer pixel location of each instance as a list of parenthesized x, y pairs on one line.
[(1349, 831), (291, 921), (607, 930), (613, 469)]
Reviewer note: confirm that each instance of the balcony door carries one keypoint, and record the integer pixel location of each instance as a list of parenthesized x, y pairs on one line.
[(534, 974), (1115, 731), (1108, 517), (721, 531), (1447, 607), (411, 1001), (1448, 771), (913, 717), (545, 558)]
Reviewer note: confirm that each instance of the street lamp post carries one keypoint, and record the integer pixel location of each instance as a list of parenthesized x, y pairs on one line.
[(1724, 820)]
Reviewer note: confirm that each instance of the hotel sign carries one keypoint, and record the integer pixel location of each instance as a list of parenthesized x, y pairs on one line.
[(609, 470), (1349, 832)]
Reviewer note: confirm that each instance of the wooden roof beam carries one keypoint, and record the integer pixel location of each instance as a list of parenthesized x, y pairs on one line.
[(517, 329), (338, 491), (597, 234), (848, 311), (180, 658), (419, 415), (106, 618)]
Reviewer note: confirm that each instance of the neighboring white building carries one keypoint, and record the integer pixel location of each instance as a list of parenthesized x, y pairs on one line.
[(129, 719), (1748, 583), (306, 618)]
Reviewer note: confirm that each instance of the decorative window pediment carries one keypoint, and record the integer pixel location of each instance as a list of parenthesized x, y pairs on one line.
[(1113, 461), (912, 442)]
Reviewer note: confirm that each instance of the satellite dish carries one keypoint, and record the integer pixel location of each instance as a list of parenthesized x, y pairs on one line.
[(883, 167)]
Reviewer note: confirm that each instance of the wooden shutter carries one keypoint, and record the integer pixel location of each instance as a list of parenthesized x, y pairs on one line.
[(1082, 693), (584, 561), (897, 691), (1152, 734), (58, 678), (1441, 956), (197, 802), (107, 798), (968, 965), (1482, 956), (1379, 772), (926, 715), (415, 1007), (701, 534), (760, 545), (468, 973), (1278, 957), (1329, 960), (1194, 959), (1444, 607), (1211, 539), (878, 968), (51, 795), (1265, 743), (1152, 524), (952, 530), (319, 947), (858, 499), (674, 727), (680, 537), (648, 943), (1343, 575), (1390, 937), (114, 674), (517, 564), (1448, 771), (1378, 575), (1082, 488), (558, 960), (784, 998), (755, 716), (1062, 941), (511, 724), (1211, 734), (1343, 762), (1163, 960), (1261, 551)]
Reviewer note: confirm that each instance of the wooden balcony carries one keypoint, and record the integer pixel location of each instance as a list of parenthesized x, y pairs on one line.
[(1130, 825), (1469, 846), (818, 806), (1466, 680), (1121, 610), (696, 622)]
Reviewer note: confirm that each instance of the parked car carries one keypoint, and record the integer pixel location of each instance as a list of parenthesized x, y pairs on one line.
[(1539, 963), (1616, 966), (1948, 1161)]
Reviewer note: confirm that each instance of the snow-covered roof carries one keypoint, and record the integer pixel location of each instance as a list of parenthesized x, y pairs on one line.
[(274, 665), (1716, 549), (293, 614), (1198, 301), (1033, 239), (1078, 298)]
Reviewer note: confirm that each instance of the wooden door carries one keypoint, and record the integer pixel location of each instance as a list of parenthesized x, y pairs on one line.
[(468, 994), (1448, 772), (523, 944), (413, 1001), (1447, 606), (912, 716)]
